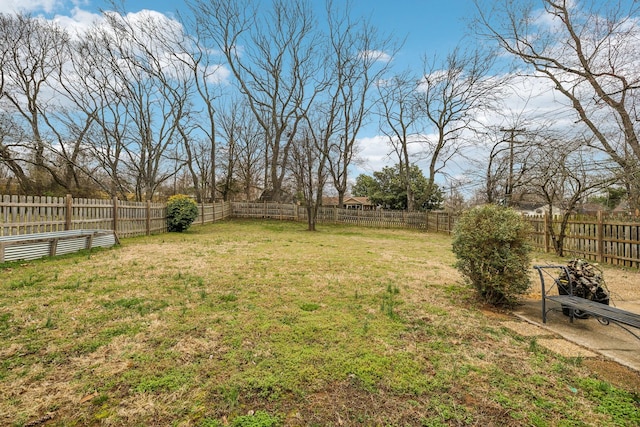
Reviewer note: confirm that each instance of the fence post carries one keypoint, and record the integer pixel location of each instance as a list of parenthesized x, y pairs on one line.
[(546, 233), (115, 213), (148, 218), (600, 233), (67, 212)]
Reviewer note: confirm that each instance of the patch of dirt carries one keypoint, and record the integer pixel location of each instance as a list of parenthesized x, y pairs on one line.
[(495, 313), (346, 404), (614, 373)]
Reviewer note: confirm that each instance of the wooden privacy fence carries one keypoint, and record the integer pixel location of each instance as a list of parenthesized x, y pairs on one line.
[(614, 241), (33, 214), (605, 240), (280, 211), (428, 221)]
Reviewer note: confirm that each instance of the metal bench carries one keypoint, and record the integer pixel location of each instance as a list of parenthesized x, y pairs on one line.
[(605, 314), (38, 245)]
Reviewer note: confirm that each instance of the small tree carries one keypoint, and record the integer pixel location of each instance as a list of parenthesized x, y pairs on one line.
[(387, 188), (491, 244), (181, 212)]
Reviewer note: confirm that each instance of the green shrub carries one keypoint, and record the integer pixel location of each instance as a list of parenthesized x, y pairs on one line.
[(181, 212), (491, 244)]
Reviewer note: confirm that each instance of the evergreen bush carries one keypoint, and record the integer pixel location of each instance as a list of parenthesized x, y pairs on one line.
[(492, 246), (181, 212)]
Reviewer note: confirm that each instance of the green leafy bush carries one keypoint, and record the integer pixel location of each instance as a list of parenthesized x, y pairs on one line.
[(181, 212), (491, 244)]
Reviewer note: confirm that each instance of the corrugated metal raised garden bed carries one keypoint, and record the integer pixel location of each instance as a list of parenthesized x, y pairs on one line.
[(38, 245)]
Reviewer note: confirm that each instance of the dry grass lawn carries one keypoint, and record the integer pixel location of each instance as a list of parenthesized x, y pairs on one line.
[(263, 323)]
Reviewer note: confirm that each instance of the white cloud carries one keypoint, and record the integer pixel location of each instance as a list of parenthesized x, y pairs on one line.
[(218, 74), (532, 100), (375, 55), (27, 6), (374, 154), (79, 21), (76, 20)]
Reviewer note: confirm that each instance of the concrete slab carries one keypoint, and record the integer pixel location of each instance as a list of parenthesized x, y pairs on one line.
[(610, 341)]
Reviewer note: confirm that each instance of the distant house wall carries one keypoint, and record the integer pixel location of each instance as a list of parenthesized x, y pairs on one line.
[(359, 203)]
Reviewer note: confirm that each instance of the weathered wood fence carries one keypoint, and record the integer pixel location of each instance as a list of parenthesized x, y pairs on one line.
[(606, 240), (33, 214), (428, 221)]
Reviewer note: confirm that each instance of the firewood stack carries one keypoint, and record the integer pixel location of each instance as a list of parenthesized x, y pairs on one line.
[(588, 282)]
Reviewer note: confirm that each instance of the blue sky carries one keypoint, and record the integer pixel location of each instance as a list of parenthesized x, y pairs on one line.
[(428, 26)]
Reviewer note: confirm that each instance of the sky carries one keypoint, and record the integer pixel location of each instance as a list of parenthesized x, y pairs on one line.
[(428, 27)]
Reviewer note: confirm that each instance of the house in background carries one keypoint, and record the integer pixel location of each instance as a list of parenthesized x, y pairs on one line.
[(590, 208), (536, 209), (349, 202), (361, 203)]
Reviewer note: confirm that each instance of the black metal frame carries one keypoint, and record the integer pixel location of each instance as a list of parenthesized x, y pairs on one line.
[(603, 313), (557, 284)]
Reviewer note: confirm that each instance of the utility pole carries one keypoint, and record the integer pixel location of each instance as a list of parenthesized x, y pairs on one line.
[(508, 191)]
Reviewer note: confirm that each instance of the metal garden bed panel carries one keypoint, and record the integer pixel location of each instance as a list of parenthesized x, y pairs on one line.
[(39, 245)]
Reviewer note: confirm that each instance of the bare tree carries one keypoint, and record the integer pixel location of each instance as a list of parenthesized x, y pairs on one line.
[(272, 58), (452, 93), (208, 77), (398, 113), (100, 95), (564, 178), (588, 52), (151, 91), (11, 137), (357, 58), (508, 163), (33, 52), (231, 128), (308, 166), (249, 152)]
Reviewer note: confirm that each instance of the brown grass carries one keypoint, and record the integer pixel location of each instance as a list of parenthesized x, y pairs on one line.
[(345, 326)]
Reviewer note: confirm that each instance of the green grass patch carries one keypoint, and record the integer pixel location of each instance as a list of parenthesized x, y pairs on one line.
[(261, 323), (620, 405), (309, 306), (169, 381)]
